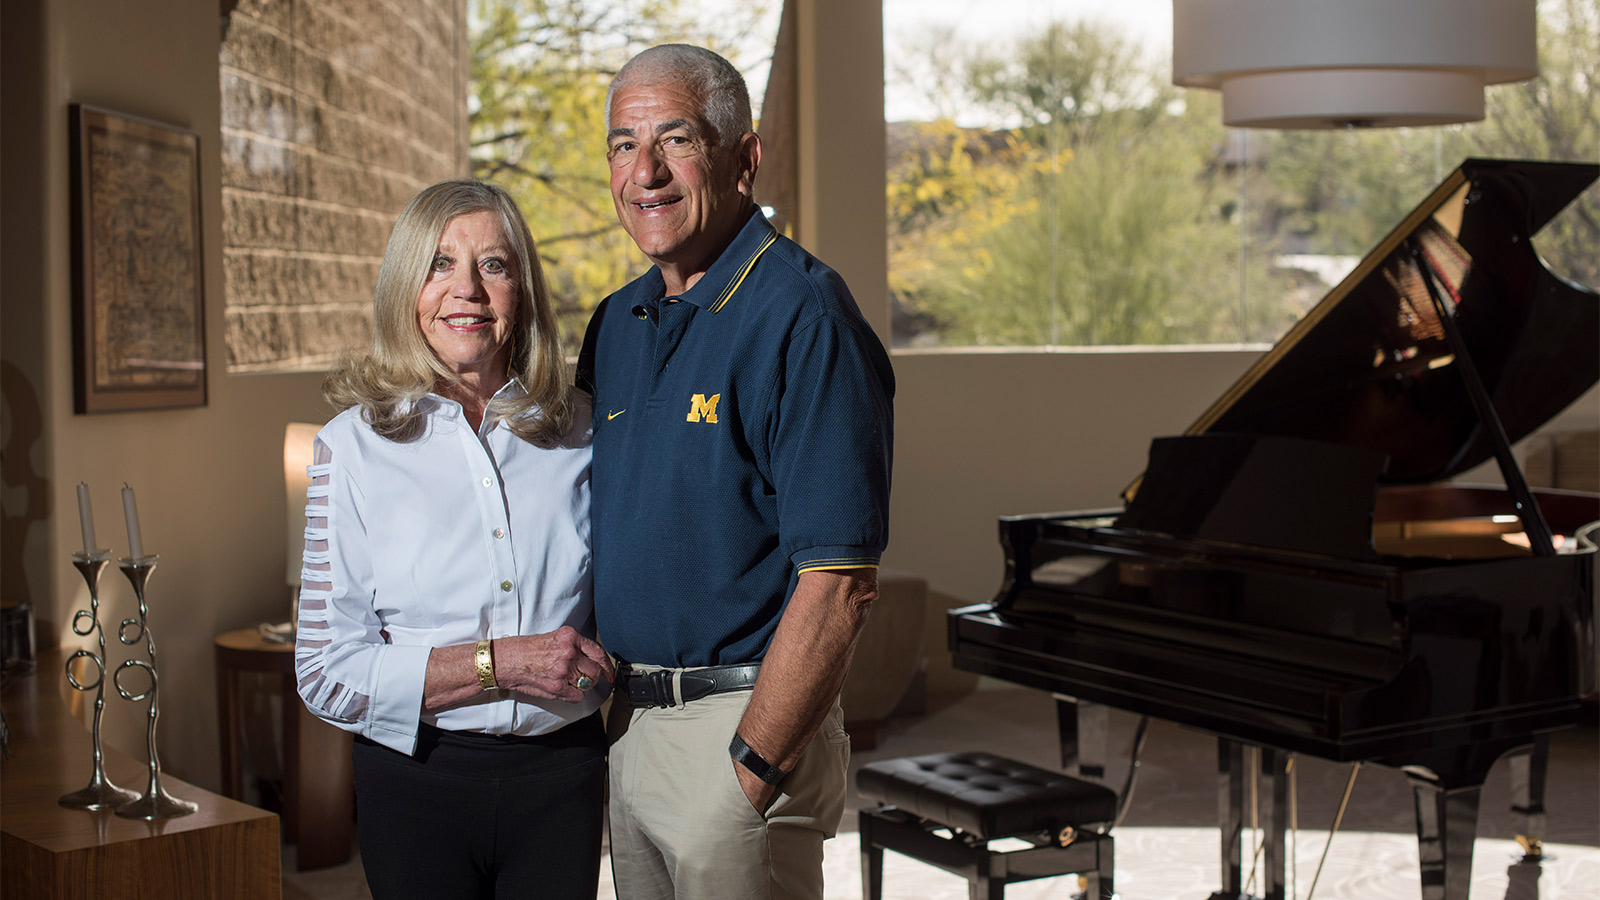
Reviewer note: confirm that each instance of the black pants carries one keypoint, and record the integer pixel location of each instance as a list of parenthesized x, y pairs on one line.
[(479, 817)]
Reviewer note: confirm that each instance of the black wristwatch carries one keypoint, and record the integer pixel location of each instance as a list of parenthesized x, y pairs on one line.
[(744, 756)]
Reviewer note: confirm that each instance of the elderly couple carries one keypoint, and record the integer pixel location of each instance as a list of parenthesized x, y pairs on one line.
[(709, 501)]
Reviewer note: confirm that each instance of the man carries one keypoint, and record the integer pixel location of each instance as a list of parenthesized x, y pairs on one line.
[(741, 484)]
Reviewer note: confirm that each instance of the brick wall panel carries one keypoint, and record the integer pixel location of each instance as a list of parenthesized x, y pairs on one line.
[(255, 338), (329, 333), (350, 183), (335, 113), (312, 77), (257, 164), (259, 281), (263, 52), (275, 14), (257, 107), (345, 232), (257, 221), (347, 278)]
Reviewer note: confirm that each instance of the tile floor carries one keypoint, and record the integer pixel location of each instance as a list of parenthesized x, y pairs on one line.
[(1167, 845)]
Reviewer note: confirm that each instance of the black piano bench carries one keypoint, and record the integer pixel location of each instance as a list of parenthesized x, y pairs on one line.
[(980, 797)]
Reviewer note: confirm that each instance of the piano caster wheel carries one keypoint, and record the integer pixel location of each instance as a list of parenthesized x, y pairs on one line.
[(1532, 849)]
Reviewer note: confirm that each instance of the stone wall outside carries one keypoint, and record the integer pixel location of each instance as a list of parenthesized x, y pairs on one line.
[(334, 113)]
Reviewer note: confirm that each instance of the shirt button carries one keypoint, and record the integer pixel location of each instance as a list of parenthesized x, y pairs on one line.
[(487, 481), (499, 534), (505, 586)]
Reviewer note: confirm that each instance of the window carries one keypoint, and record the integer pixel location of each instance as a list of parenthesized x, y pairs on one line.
[(1048, 186)]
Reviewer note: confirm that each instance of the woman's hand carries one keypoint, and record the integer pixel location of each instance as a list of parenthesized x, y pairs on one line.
[(539, 665), (551, 665)]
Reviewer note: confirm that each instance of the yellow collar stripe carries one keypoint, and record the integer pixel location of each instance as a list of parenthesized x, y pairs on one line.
[(727, 293)]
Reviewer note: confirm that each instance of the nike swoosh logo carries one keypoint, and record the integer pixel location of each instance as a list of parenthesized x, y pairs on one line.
[(610, 416)]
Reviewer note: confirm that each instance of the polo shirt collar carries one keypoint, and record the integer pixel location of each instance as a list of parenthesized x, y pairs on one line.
[(721, 282)]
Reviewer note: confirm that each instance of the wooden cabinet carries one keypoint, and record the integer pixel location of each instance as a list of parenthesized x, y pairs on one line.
[(226, 849)]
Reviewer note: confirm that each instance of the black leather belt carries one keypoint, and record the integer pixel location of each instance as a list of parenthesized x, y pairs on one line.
[(654, 689)]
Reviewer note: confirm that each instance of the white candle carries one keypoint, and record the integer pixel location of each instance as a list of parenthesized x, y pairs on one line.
[(130, 513), (85, 519)]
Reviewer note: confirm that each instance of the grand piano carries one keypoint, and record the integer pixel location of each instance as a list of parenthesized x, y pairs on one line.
[(1295, 574)]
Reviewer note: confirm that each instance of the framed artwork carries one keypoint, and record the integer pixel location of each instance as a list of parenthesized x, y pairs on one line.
[(138, 310)]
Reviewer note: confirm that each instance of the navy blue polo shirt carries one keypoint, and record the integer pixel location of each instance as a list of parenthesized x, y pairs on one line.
[(742, 436)]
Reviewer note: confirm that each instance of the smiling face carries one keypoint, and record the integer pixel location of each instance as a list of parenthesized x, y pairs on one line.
[(679, 193), (468, 305)]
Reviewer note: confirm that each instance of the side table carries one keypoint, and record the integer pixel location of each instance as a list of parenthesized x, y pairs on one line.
[(48, 852), (318, 783)]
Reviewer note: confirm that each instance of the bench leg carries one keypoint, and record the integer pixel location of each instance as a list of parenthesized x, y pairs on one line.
[(982, 887), (1102, 880), (871, 861)]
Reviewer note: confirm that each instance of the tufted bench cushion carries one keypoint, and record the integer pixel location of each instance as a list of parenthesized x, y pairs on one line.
[(985, 795)]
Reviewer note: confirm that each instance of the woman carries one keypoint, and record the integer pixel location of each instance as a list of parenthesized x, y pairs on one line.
[(446, 615)]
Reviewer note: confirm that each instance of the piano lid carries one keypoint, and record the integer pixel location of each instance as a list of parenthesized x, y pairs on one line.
[(1369, 366)]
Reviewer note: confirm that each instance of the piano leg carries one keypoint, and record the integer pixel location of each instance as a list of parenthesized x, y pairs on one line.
[(1447, 825), (1273, 815), (1528, 768), (1085, 732), (1446, 783), (1274, 820), (1230, 816)]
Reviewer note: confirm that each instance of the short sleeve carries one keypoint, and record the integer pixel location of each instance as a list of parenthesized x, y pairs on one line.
[(833, 447)]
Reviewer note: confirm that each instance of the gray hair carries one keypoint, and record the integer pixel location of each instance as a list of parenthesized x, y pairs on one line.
[(724, 98), (401, 367)]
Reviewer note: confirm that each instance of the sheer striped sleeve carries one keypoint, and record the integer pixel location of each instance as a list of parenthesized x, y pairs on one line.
[(340, 646)]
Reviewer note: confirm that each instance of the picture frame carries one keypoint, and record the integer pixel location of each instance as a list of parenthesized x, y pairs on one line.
[(138, 310)]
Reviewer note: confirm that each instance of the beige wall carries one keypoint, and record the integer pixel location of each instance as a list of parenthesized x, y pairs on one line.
[(209, 479)]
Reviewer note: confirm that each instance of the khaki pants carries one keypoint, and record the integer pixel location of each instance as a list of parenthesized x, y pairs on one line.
[(681, 827)]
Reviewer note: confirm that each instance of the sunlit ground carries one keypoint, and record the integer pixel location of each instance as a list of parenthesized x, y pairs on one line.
[(1169, 863)]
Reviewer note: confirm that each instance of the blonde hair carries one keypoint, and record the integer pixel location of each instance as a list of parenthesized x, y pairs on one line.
[(401, 368)]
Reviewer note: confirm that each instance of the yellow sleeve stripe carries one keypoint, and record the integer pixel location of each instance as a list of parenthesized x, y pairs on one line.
[(727, 292), (818, 565)]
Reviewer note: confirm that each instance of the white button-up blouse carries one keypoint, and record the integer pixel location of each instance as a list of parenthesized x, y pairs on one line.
[(455, 537)]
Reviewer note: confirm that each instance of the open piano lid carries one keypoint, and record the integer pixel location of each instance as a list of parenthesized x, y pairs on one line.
[(1369, 366)]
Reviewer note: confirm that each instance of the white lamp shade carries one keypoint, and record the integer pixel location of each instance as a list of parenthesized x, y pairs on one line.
[(1339, 63), (297, 439)]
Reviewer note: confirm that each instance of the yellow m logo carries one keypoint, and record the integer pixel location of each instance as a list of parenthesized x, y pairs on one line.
[(700, 406)]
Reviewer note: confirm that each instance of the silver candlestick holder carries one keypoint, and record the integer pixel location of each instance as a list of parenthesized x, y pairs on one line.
[(100, 793), (156, 802)]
